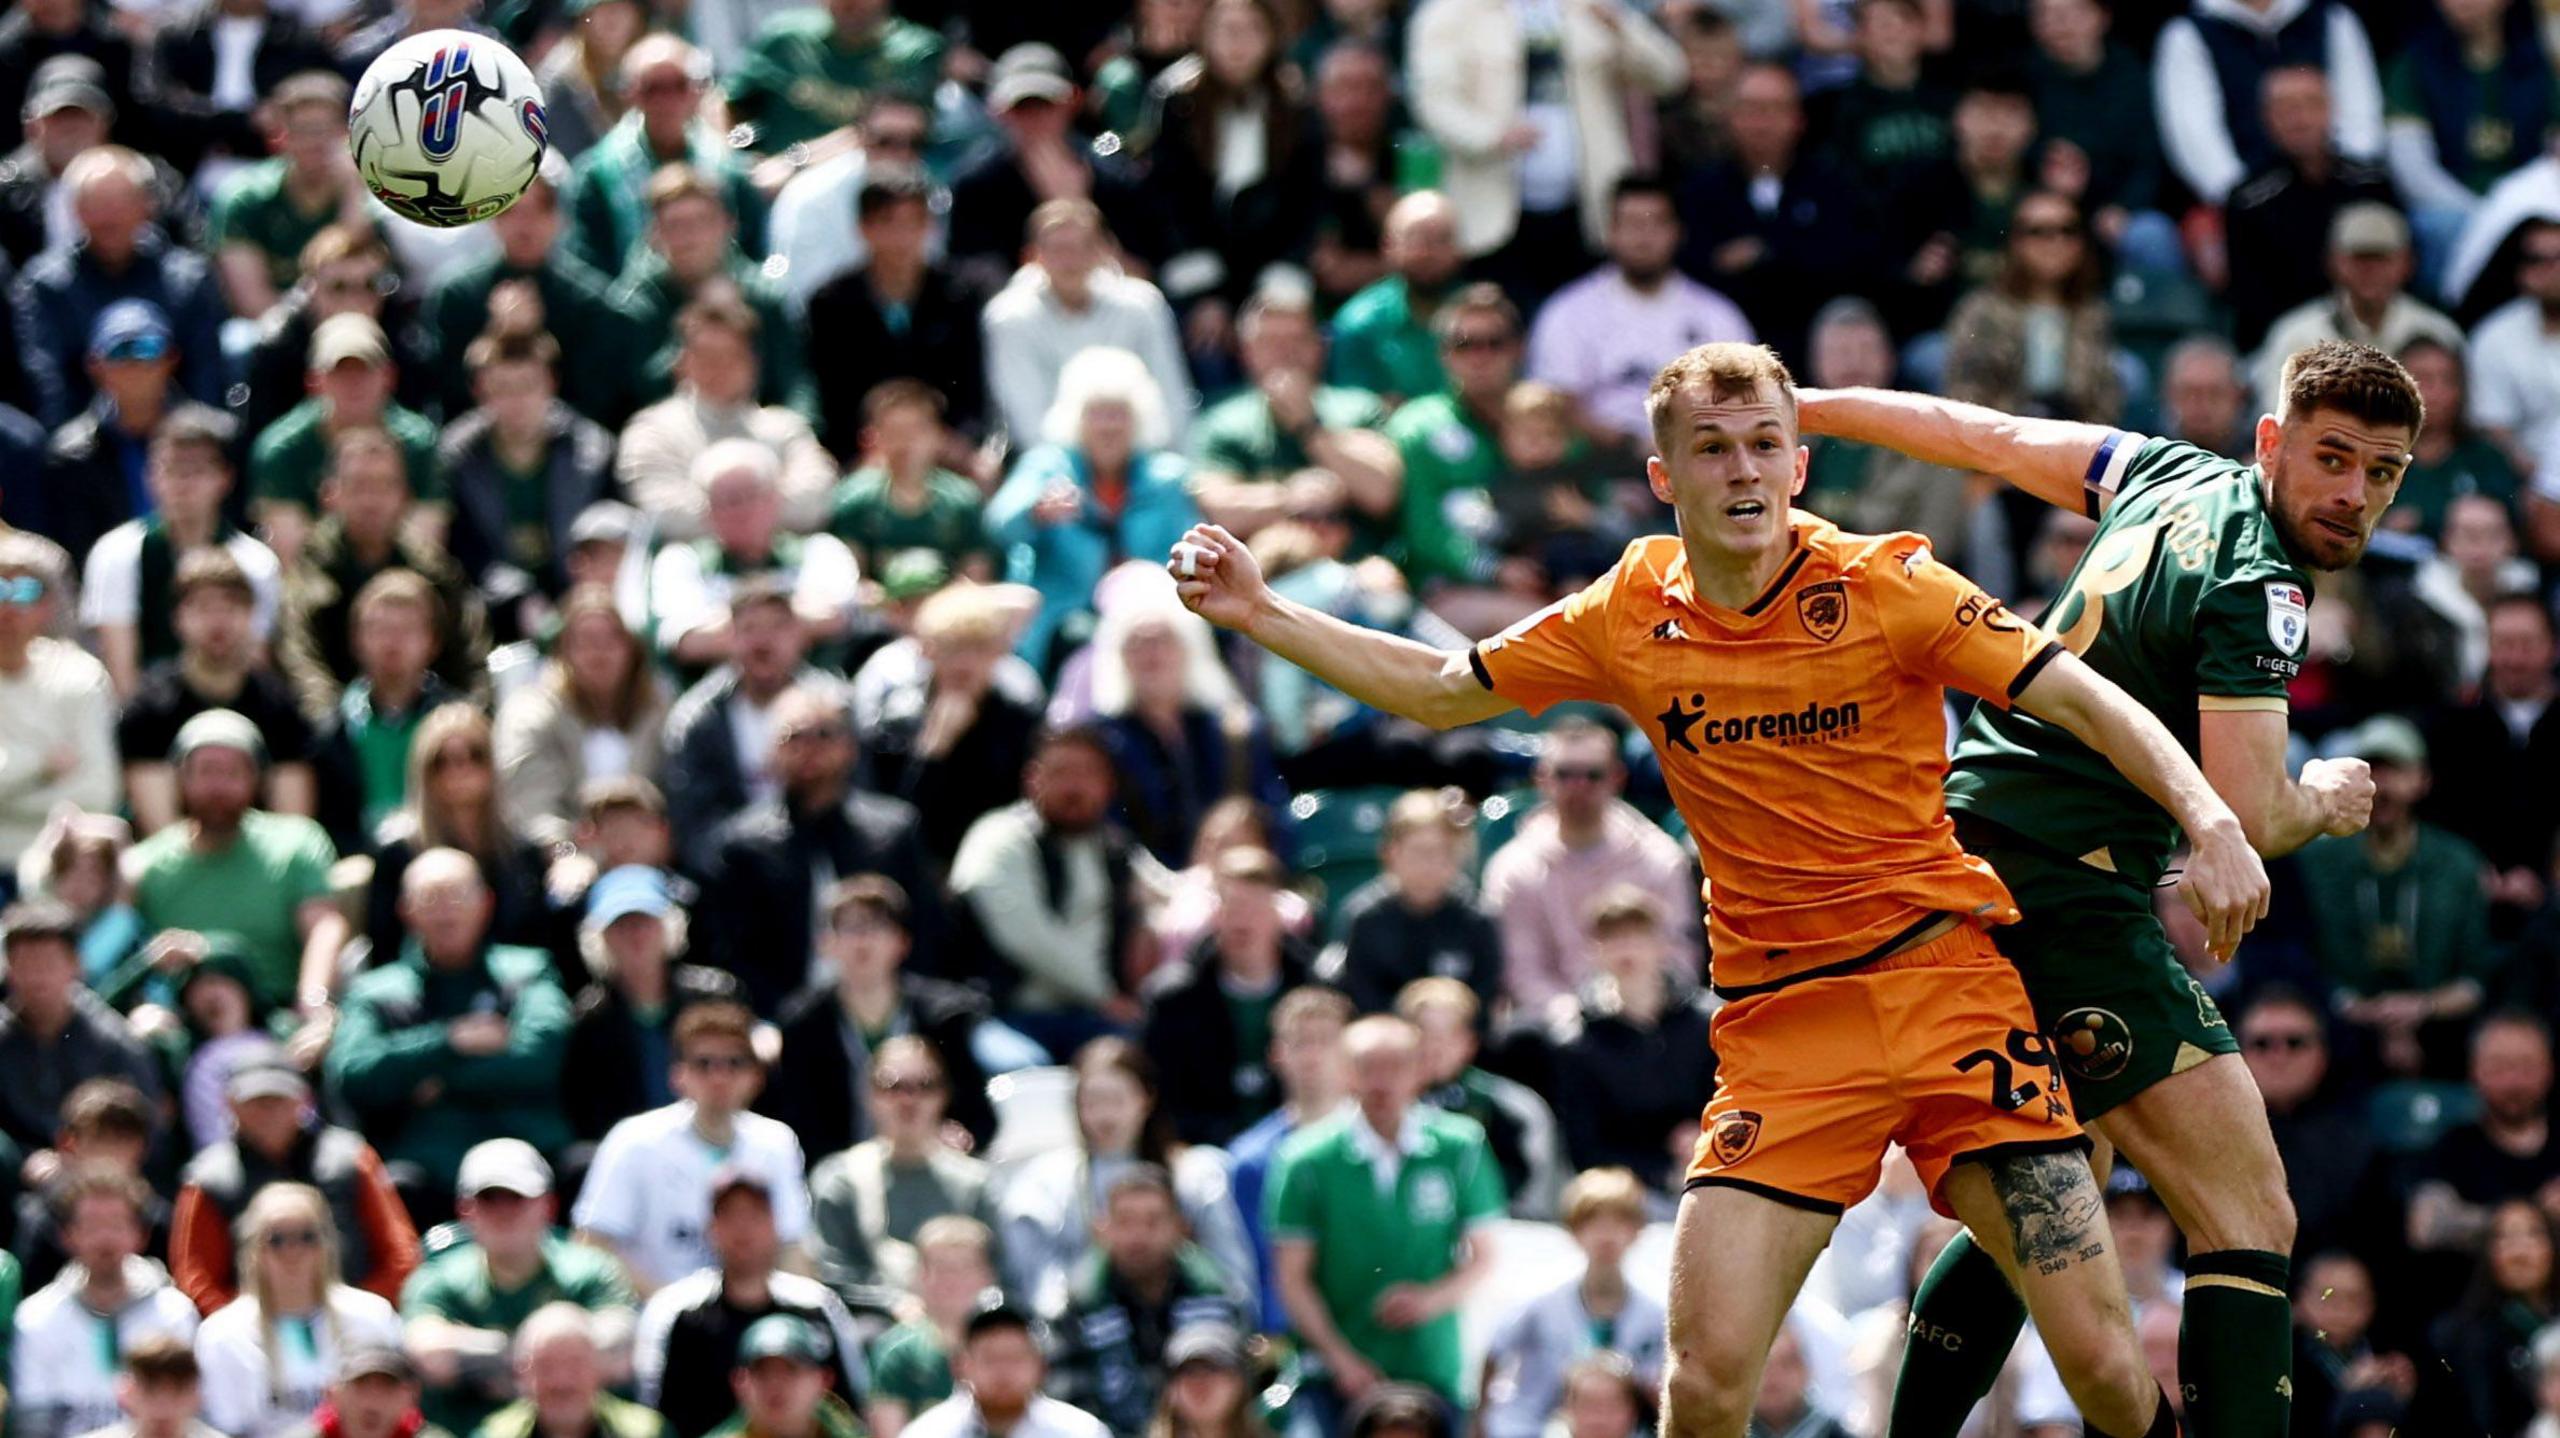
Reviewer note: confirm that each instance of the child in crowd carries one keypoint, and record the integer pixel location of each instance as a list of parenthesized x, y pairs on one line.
[(1530, 1354)]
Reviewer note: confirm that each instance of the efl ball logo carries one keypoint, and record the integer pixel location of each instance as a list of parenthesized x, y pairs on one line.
[(535, 123)]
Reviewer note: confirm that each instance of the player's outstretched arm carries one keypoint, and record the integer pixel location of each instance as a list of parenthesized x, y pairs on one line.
[(2243, 750), (1222, 583), (2225, 884), (2048, 458)]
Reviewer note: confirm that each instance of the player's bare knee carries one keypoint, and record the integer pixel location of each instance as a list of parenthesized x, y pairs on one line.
[(2113, 1390), (1707, 1394), (2248, 1213)]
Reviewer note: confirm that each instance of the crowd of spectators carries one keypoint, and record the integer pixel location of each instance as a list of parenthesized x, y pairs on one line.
[(613, 829)]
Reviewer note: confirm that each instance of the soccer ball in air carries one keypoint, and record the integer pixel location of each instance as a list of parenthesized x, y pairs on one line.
[(447, 128)]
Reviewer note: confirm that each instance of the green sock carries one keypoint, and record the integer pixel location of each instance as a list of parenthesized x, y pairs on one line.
[(2235, 1345), (1964, 1320)]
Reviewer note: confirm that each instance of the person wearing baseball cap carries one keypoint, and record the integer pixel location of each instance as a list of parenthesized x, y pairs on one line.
[(374, 1395), (351, 375), (2399, 922), (467, 1302), (275, 1139), (785, 1383), (2370, 264), (1004, 1369), (230, 866)]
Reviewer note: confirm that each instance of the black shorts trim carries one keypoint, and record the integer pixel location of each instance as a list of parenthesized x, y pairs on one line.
[(1774, 1195), (2051, 651), (2025, 1148), (1475, 661), (1884, 950)]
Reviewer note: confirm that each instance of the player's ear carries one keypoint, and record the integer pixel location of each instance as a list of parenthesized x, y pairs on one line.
[(2270, 439), (1658, 476), (1804, 463)]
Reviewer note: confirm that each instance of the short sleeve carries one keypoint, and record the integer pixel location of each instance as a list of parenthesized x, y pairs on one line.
[(1293, 1200), (1942, 626), (111, 586), (307, 876), (608, 1202), (1482, 1199), (1559, 653), (2250, 634)]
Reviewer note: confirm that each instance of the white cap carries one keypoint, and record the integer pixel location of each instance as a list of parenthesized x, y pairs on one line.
[(504, 1163)]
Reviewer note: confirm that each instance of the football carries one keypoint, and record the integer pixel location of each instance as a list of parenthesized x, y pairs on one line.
[(447, 128)]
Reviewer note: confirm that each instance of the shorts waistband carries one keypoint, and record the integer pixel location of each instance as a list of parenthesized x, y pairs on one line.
[(1960, 940)]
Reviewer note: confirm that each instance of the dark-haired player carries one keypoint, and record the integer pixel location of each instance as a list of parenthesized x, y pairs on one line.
[(2195, 597)]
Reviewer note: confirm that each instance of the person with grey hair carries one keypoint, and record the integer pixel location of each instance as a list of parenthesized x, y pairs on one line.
[(1071, 298), (2203, 399), (690, 583), (663, 83), (455, 1039), (1108, 431), (121, 254), (57, 705), (717, 374), (560, 1369)]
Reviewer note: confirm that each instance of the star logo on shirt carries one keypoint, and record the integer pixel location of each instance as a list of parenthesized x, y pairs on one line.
[(1676, 722)]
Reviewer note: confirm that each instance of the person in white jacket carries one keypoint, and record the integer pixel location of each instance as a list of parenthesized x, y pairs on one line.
[(1069, 299), (269, 1356), (1512, 140), (63, 1368)]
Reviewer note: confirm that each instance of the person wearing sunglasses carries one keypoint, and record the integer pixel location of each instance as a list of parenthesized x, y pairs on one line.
[(647, 1198), (1581, 840), (807, 226), (57, 704), (664, 81), (2328, 1145), (1450, 442), (270, 1355), (872, 1200)]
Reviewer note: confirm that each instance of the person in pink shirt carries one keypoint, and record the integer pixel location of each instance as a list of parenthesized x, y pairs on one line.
[(1583, 839)]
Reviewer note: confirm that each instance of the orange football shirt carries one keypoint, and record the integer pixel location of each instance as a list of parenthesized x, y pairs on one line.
[(1803, 737)]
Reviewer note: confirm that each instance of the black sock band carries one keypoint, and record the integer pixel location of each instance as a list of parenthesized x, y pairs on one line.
[(2235, 1344), (2164, 1422)]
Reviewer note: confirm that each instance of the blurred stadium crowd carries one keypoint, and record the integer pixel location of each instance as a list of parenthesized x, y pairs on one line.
[(613, 821)]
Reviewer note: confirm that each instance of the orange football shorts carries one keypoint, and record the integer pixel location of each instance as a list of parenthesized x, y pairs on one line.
[(1935, 1048)]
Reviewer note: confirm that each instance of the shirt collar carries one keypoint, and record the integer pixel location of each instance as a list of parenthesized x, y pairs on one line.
[(1375, 1149)]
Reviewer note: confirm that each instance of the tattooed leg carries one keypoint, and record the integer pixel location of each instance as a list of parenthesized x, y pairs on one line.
[(2040, 1216)]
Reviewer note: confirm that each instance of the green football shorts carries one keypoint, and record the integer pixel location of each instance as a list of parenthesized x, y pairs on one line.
[(2120, 1009)]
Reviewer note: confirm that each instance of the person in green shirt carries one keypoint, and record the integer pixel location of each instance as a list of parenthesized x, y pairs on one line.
[(229, 867), (573, 298), (2451, 459), (1247, 447), (464, 1304), (1451, 445), (1378, 1220), (265, 214), (351, 381), (664, 80), (455, 1040), (785, 1382), (1382, 339), (691, 249), (911, 1363), (2399, 922), (810, 70), (902, 499)]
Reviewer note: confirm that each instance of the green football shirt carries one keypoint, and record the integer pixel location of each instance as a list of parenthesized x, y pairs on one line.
[(799, 79), (1372, 1232), (2188, 599), (253, 890), (909, 1366), (455, 1286), (256, 210)]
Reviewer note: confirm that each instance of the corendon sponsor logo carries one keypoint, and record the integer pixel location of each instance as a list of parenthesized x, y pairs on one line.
[(1815, 723)]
